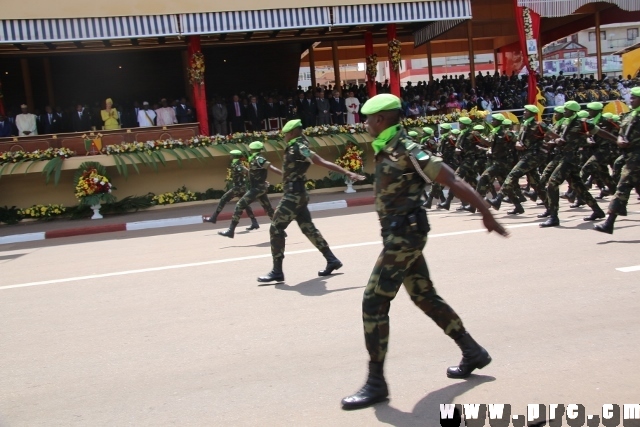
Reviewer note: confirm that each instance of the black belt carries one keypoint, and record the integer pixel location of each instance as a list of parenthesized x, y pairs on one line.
[(294, 187), (414, 222)]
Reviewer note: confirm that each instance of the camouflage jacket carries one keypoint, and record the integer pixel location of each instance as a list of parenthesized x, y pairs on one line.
[(468, 149), (531, 135), (238, 174), (429, 144), (258, 169), (630, 129), (297, 159), (575, 134), (502, 146), (398, 185), (448, 150)]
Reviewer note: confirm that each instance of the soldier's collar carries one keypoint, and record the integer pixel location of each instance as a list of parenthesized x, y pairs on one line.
[(294, 140), (387, 135)]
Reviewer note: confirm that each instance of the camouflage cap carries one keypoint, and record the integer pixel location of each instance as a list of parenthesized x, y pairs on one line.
[(235, 152), (507, 122), (499, 117), (382, 102), (465, 120), (455, 131), (583, 114), (608, 115), (572, 106), (445, 126), (428, 131), (478, 127), (412, 133), (635, 91), (597, 106), (532, 108), (559, 109), (291, 125), (256, 145)]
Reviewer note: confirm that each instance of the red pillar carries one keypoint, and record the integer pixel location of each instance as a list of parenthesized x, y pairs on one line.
[(199, 93), (368, 50), (394, 75)]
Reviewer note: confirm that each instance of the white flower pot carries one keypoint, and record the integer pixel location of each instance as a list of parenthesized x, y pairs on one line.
[(349, 186), (96, 212)]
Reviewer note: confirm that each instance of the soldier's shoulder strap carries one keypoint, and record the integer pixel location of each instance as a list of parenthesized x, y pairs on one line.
[(416, 154)]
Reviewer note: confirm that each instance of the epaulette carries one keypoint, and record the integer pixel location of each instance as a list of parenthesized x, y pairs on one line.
[(415, 150)]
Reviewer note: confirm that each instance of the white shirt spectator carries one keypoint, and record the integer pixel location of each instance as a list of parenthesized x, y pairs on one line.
[(559, 98), (145, 118), (353, 107), (26, 122), (166, 116)]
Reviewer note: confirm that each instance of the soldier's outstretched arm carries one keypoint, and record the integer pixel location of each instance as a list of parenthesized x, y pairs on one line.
[(275, 169), (317, 160), (464, 192)]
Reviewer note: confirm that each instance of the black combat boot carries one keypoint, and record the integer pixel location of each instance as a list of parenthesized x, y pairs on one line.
[(254, 225), (229, 232), (275, 275), (579, 202), (462, 207), (429, 202), (545, 214), (473, 357), (607, 225), (531, 195), (373, 391), (447, 203), (492, 190), (470, 208), (496, 202), (603, 193), (521, 198), (212, 219), (333, 263), (552, 221), (597, 214), (517, 209)]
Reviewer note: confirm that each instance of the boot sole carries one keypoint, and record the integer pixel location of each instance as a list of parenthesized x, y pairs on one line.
[(325, 273), (603, 231), (478, 366), (351, 407)]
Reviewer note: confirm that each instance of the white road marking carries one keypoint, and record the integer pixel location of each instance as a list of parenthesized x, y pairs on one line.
[(227, 260), (629, 269), (325, 206), (159, 223)]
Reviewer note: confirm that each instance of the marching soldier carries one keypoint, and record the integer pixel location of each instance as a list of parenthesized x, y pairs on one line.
[(568, 168), (555, 155), (239, 187), (629, 143), (293, 205), (402, 170), (597, 165), (258, 169), (530, 140)]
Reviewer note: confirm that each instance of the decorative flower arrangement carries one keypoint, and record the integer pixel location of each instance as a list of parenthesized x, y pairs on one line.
[(394, 54), (92, 185), (196, 70), (181, 195), (372, 67), (351, 160), (48, 154), (43, 211), (475, 114), (528, 33)]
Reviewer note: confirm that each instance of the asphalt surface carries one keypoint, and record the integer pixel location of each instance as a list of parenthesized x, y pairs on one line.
[(151, 328)]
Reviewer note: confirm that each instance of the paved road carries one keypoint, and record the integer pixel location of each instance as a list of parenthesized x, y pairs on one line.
[(173, 329)]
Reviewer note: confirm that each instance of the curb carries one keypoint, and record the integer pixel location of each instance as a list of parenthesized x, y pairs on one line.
[(169, 222)]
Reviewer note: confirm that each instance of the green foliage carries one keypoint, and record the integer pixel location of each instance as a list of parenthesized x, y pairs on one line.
[(10, 215)]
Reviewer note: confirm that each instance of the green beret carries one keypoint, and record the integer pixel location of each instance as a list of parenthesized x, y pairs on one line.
[(256, 145), (428, 131), (572, 106), (532, 108), (455, 131), (615, 118), (291, 125), (559, 109), (608, 115), (445, 126), (499, 117), (235, 152), (635, 91), (595, 106), (507, 122), (478, 127), (382, 102), (412, 133), (583, 114), (465, 120)]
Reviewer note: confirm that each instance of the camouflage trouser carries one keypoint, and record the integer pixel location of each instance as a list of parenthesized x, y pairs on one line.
[(498, 170), (467, 172), (546, 174), (235, 192), (618, 164), (436, 190), (629, 179), (402, 262), (293, 206), (598, 166), (527, 165), (256, 193), (567, 171)]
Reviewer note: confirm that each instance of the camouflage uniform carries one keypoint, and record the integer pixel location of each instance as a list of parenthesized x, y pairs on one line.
[(239, 187), (597, 165), (568, 168), (555, 155), (468, 157), (531, 136), (630, 174), (501, 153), (258, 169), (429, 144), (293, 205), (398, 189)]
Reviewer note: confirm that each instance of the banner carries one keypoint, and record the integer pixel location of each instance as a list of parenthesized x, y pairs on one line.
[(196, 78), (528, 25)]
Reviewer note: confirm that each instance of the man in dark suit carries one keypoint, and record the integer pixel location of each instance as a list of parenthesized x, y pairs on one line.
[(255, 114), (80, 120), (184, 112), (272, 109), (236, 115), (323, 116), (49, 121), (308, 110), (130, 116), (5, 127), (338, 109)]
